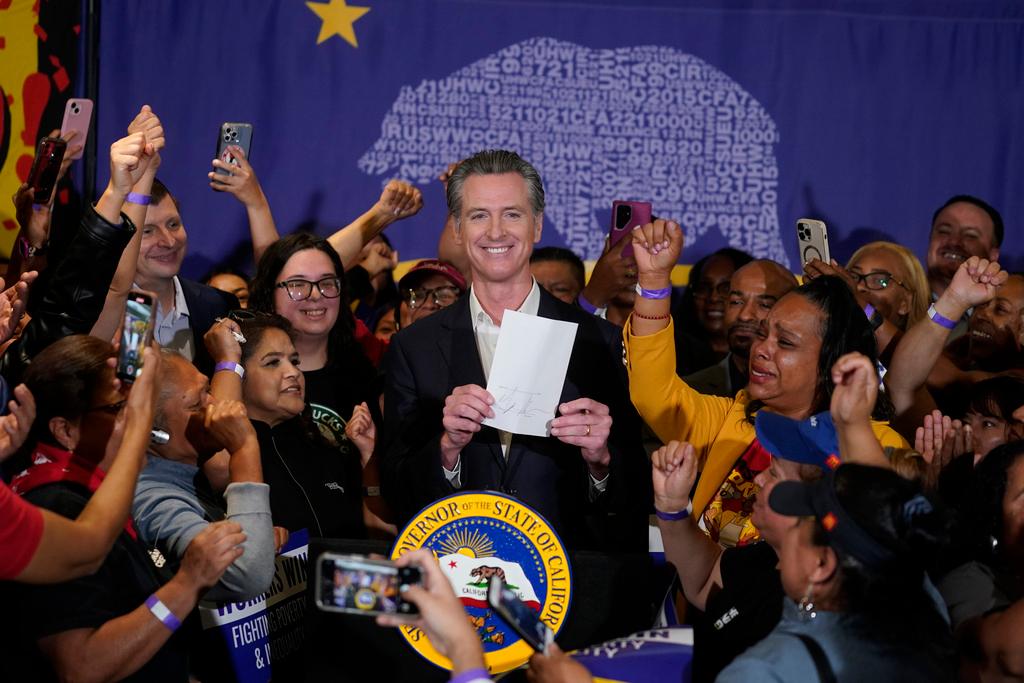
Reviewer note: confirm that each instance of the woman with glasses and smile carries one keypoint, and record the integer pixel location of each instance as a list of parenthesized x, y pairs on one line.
[(890, 286), (300, 277)]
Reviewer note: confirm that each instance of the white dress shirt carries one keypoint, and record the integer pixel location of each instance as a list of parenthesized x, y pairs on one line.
[(486, 332)]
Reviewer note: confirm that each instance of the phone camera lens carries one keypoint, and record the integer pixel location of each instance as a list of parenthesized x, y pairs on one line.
[(74, 109), (234, 134), (227, 138)]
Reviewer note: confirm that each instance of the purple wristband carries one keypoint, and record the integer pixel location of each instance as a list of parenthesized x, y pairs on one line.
[(470, 675), (663, 293), (161, 612), (675, 516), (138, 198), (230, 367), (940, 319), (586, 305)]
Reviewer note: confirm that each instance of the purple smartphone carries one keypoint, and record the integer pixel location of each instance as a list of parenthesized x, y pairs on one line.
[(625, 217)]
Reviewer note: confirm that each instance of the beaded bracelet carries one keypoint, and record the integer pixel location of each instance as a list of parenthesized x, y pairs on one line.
[(663, 316)]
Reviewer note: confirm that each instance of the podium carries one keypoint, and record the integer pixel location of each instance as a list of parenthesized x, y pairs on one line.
[(613, 595)]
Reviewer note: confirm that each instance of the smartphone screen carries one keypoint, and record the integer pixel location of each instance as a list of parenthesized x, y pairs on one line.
[(521, 618), (138, 318), (45, 168), (359, 585)]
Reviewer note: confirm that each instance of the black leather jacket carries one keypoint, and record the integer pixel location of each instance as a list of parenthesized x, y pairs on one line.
[(69, 295)]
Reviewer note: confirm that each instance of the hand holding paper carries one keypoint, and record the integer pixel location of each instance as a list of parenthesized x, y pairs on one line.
[(587, 424), (528, 372), (464, 410)]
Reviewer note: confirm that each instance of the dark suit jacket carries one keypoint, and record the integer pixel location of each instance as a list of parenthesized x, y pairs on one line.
[(205, 305), (429, 359)]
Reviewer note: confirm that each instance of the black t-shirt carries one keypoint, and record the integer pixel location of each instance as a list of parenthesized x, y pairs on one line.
[(127, 577), (333, 393), (312, 485), (743, 612)]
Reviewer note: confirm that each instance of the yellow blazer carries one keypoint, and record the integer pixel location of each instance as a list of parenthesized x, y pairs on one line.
[(717, 427)]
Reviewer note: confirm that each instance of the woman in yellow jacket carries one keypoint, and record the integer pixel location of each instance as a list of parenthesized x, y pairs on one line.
[(791, 362)]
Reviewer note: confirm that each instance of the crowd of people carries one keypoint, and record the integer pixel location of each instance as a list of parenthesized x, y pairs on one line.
[(832, 458)]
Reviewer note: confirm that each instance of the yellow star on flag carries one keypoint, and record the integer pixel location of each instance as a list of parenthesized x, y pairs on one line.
[(338, 19)]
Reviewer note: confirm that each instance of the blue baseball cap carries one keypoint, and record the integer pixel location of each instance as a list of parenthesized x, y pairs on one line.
[(812, 441)]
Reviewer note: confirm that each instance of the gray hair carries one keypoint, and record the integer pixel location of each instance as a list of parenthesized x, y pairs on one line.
[(168, 385), (494, 162)]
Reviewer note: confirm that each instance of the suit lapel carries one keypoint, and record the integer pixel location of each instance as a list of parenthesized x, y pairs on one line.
[(460, 353)]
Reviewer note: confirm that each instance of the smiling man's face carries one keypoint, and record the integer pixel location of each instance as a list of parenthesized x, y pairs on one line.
[(960, 230), (498, 227)]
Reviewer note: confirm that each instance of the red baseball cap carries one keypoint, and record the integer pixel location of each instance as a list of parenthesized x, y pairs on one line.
[(430, 266)]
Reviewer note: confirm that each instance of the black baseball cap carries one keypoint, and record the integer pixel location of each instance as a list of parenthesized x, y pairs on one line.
[(819, 500)]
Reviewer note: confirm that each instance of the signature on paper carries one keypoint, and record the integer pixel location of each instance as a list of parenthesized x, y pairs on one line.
[(516, 401)]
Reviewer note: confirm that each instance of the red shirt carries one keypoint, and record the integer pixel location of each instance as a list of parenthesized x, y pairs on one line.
[(20, 532)]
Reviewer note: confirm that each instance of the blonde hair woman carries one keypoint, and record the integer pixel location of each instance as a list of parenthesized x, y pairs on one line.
[(892, 279)]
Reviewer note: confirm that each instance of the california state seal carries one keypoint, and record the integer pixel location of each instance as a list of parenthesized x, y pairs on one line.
[(475, 536)]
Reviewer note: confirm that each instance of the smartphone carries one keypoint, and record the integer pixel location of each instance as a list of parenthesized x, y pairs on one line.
[(135, 335), (43, 175), (523, 620), (625, 217), (359, 585), (77, 116), (233, 134), (812, 237)]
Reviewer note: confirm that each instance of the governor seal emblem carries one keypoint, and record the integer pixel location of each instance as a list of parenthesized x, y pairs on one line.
[(478, 535)]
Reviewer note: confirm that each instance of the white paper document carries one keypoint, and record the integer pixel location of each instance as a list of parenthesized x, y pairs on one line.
[(528, 372)]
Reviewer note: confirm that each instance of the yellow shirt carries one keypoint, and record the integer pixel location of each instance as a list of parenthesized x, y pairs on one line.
[(717, 427)]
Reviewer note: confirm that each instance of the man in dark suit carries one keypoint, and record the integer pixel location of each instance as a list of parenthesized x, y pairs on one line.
[(185, 310), (590, 478)]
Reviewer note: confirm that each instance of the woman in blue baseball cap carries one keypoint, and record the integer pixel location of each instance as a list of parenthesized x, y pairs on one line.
[(853, 565)]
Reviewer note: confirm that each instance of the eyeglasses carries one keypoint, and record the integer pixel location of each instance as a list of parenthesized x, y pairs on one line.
[(300, 290), (877, 280), (442, 296), (110, 408)]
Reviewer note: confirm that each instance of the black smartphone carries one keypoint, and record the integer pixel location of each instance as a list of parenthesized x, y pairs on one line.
[(359, 585), (625, 217), (45, 167), (516, 614), (135, 335), (233, 134)]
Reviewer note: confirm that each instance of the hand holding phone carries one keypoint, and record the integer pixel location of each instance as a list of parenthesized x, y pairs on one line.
[(239, 134), (441, 615), (516, 614), (135, 334), (812, 236), (77, 117), (625, 217), (360, 585), (42, 177)]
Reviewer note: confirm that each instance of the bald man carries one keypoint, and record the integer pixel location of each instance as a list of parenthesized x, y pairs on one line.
[(753, 290)]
